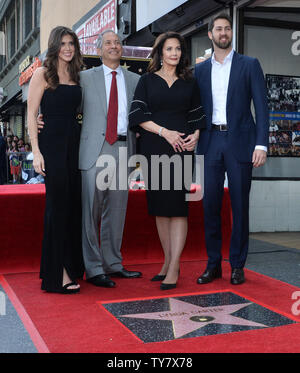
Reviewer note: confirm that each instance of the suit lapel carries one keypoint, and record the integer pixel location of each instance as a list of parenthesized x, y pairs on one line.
[(127, 86), (234, 75), (206, 76), (209, 85), (98, 79)]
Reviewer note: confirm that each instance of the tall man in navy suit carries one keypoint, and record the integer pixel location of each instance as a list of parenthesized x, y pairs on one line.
[(232, 142)]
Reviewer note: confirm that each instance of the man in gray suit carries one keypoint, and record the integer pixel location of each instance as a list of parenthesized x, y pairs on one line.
[(102, 198), (99, 201)]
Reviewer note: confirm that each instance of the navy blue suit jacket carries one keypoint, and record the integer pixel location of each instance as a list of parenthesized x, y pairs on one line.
[(246, 83)]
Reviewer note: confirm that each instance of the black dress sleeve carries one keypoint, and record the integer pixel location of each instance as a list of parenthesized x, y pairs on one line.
[(196, 116), (139, 110)]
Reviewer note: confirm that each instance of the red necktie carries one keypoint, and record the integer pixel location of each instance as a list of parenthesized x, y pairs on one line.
[(112, 113)]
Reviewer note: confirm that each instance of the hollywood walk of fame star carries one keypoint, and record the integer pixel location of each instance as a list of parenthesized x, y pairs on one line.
[(125, 66), (187, 317)]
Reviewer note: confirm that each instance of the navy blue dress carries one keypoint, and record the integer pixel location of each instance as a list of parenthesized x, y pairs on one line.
[(176, 108)]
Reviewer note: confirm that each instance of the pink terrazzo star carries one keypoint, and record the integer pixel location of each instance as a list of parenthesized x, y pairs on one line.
[(187, 317)]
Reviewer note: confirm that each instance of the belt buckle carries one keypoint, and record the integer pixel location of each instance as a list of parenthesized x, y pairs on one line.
[(121, 138), (223, 127)]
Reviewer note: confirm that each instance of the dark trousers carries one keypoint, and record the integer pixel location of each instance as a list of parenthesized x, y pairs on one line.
[(218, 160)]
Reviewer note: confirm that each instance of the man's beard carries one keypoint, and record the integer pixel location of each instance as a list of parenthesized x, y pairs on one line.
[(222, 44)]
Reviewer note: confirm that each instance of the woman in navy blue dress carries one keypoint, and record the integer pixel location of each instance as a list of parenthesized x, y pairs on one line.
[(167, 113)]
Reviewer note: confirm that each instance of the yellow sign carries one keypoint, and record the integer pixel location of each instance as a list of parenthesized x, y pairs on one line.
[(25, 63)]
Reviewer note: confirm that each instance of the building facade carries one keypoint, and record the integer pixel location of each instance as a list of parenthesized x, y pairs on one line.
[(19, 45), (25, 26)]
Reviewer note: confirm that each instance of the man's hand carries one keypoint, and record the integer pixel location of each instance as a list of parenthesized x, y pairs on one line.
[(40, 123), (259, 158)]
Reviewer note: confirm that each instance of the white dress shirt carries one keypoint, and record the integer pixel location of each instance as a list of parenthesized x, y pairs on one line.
[(220, 73), (219, 85), (122, 97)]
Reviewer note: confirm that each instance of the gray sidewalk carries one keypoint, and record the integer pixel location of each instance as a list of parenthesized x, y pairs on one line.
[(276, 261), (14, 337)]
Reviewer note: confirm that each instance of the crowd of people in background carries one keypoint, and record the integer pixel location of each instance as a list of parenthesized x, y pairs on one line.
[(14, 151)]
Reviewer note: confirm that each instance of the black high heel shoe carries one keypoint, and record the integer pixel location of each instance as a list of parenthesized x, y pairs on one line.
[(167, 286), (158, 278), (164, 286)]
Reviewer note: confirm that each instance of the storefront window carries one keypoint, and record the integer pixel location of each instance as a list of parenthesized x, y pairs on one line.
[(2, 47), (27, 16), (11, 35), (37, 7), (274, 50), (199, 44), (274, 38), (18, 16), (19, 21)]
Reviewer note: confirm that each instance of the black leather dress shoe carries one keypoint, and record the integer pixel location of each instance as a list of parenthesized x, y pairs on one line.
[(237, 276), (126, 274), (102, 280), (209, 275)]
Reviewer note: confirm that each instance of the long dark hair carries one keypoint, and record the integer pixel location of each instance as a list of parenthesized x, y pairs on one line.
[(182, 69), (51, 60)]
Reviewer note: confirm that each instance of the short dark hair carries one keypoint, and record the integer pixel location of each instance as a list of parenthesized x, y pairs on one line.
[(219, 16)]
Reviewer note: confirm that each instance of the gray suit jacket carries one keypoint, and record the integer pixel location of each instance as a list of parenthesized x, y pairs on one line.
[(94, 107)]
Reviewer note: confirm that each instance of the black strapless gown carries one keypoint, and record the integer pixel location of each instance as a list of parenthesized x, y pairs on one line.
[(59, 145)]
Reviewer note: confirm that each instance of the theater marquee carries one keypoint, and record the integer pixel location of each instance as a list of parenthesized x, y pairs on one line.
[(103, 19)]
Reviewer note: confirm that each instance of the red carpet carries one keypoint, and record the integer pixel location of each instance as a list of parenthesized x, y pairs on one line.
[(77, 323), (21, 228), (80, 323)]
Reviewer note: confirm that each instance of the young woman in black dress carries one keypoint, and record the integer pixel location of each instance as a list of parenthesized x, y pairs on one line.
[(167, 113), (55, 88)]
